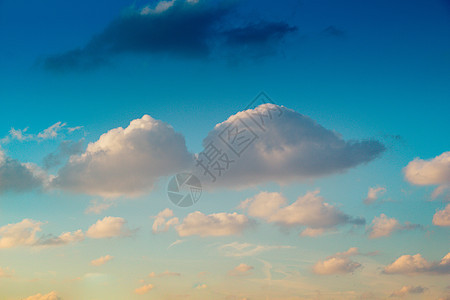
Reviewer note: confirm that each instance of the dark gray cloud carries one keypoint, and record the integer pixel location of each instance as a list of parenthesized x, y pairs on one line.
[(185, 29), (333, 31), (18, 177)]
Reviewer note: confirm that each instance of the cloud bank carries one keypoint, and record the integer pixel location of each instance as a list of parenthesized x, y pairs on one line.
[(416, 264), (187, 29)]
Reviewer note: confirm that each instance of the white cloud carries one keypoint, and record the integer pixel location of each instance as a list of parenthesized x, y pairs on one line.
[(373, 194), (309, 210), (385, 226), (442, 217), (159, 8), (109, 227), (240, 270), (126, 162), (406, 290), (277, 144), (51, 132), (219, 224), (144, 289), (339, 263), (160, 224), (19, 234), (237, 249), (415, 264), (101, 260), (24, 234), (434, 171), (50, 296)]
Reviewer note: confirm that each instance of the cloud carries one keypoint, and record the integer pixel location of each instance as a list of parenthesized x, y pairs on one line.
[(96, 207), (200, 286), (442, 217), (339, 263), (144, 289), (126, 162), (416, 264), (63, 239), (101, 260), (6, 272), (164, 274), (309, 210), (406, 290), (236, 249), (219, 224), (65, 150), (240, 270), (373, 194), (188, 29), (275, 144), (51, 132), (434, 171), (19, 177), (109, 227), (160, 224), (50, 296), (385, 226), (25, 232)]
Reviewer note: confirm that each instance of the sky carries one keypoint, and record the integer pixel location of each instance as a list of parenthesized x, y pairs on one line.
[(206, 149)]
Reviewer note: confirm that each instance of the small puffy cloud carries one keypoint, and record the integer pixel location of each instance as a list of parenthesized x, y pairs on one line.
[(63, 239), (309, 210), (385, 226), (236, 249), (442, 217), (219, 224), (96, 207), (200, 286), (277, 144), (144, 289), (25, 232), (101, 260), (416, 264), (109, 227), (240, 270), (373, 194), (19, 234), (406, 290), (339, 263), (435, 171), (19, 177), (126, 162), (161, 224), (50, 296), (164, 274)]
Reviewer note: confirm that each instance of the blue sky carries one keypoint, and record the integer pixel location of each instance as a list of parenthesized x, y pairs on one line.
[(374, 71)]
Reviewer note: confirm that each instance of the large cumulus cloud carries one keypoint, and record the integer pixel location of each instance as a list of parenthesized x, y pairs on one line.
[(281, 146)]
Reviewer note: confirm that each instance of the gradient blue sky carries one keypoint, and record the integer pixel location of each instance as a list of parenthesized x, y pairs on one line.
[(366, 70)]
